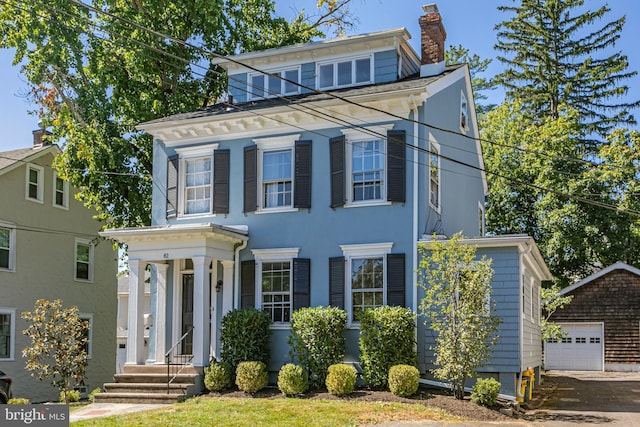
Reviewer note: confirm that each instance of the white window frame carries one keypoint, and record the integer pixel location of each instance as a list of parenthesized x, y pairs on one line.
[(89, 318), (363, 251), (12, 339), (251, 96), (262, 256), (464, 113), (364, 134), (433, 145), (334, 62), (265, 145), (12, 246), (190, 154), (65, 192), (91, 266), (40, 184)]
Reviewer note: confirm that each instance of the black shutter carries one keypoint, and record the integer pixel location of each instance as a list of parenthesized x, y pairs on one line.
[(250, 178), (396, 280), (336, 282), (172, 186), (221, 182), (248, 284), (301, 283), (336, 159), (302, 183), (396, 164)]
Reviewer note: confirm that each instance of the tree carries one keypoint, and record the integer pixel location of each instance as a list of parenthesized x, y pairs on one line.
[(97, 69), (458, 306), (555, 53), (58, 344), (477, 66), (551, 302)]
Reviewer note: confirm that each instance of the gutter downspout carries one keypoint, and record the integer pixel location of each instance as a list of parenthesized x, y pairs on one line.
[(236, 278), (415, 201)]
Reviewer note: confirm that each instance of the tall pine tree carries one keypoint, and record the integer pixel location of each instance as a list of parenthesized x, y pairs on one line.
[(556, 52)]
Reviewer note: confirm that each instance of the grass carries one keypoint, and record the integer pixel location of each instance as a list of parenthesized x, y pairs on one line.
[(221, 411)]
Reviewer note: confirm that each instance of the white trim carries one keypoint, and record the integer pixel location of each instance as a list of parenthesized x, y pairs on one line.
[(40, 184), (197, 151), (88, 317), (276, 142), (346, 58), (266, 145), (433, 144), (482, 220), (366, 133), (65, 192), (90, 263), (366, 249), (182, 184), (12, 340), (12, 247), (278, 254), (617, 266), (265, 89)]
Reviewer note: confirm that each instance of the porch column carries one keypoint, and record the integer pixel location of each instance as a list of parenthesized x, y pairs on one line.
[(213, 320), (160, 321), (201, 301), (227, 287), (135, 335)]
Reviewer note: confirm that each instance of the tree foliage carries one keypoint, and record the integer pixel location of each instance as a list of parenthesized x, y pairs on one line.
[(99, 68), (477, 66), (556, 52), (551, 302), (57, 352), (459, 309)]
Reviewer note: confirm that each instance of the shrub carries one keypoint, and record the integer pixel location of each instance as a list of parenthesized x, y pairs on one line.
[(72, 396), (386, 339), (245, 335), (251, 376), (485, 392), (292, 380), (341, 379), (403, 380), (95, 391), (18, 401), (218, 376), (316, 340)]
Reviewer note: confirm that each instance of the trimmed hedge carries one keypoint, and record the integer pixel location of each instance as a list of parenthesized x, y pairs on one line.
[(404, 380), (341, 379), (251, 376), (386, 339), (292, 380), (316, 340), (485, 392), (245, 335), (218, 376)]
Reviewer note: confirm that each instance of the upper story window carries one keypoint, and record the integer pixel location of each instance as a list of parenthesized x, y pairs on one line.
[(344, 73), (7, 333), (277, 179), (434, 176), (279, 83), (84, 260), (197, 188), (7, 246), (60, 191), (367, 170), (464, 113), (35, 177)]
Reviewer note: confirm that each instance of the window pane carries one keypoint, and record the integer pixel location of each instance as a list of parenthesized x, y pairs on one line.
[(4, 258), (326, 75), (59, 184), (367, 285), (276, 165), (5, 233), (82, 270), (367, 165), (291, 87), (276, 290), (5, 335), (257, 86), (33, 191), (363, 70), (33, 176), (344, 73), (198, 186), (275, 86), (82, 252)]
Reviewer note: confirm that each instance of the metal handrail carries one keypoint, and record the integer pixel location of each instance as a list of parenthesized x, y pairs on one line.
[(184, 359)]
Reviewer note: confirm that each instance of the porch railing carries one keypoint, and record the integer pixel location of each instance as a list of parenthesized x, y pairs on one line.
[(177, 362)]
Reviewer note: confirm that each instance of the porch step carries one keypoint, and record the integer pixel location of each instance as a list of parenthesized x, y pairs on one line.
[(148, 398), (154, 378), (183, 389)]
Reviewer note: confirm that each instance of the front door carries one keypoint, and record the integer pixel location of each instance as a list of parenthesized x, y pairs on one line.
[(187, 312)]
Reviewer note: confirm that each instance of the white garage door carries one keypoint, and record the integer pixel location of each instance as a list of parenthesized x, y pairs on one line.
[(581, 350)]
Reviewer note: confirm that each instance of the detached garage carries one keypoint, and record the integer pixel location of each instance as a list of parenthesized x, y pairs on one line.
[(602, 322)]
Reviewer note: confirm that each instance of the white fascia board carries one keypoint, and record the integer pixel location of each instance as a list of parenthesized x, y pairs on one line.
[(53, 149), (137, 233), (617, 266)]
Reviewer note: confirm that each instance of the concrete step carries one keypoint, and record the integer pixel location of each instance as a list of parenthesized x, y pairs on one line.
[(154, 378), (152, 398), (157, 369), (156, 388)]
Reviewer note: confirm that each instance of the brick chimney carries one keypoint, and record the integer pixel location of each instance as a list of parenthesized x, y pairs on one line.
[(40, 138), (432, 40)]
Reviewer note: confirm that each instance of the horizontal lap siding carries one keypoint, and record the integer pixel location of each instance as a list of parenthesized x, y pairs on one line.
[(615, 300), (385, 66)]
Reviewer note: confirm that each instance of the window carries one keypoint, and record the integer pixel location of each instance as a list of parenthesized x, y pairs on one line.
[(277, 179), (434, 176), (464, 113), (7, 336), (89, 334), (196, 179), (581, 340), (594, 340), (284, 82), (34, 183), (367, 170), (197, 187), (7, 247), (566, 340), (60, 191), (84, 260), (345, 73), (552, 340)]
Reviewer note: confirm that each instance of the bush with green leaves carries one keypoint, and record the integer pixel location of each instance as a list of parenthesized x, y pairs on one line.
[(387, 338), (316, 340), (252, 376), (92, 395), (341, 379), (72, 396), (403, 380), (18, 401), (218, 376), (485, 392), (245, 335), (292, 380)]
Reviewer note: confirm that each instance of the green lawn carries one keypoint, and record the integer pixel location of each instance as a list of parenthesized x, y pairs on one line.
[(209, 411)]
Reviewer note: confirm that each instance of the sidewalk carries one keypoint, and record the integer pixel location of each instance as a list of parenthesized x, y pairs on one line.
[(95, 410)]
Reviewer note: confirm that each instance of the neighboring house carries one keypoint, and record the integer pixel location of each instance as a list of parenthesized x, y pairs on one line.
[(602, 322), (123, 315), (312, 186), (50, 248)]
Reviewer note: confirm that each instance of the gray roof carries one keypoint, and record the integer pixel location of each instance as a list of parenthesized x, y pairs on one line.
[(220, 109), (9, 158)]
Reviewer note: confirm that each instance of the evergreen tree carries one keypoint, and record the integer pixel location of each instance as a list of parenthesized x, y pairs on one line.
[(556, 52), (477, 66)]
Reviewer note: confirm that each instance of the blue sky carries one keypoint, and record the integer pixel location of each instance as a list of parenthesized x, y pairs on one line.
[(467, 22)]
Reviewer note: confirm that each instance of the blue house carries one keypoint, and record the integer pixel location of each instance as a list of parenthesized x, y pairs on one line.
[(312, 186)]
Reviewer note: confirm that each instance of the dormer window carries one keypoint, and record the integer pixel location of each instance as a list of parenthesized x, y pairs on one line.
[(279, 83), (344, 73)]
